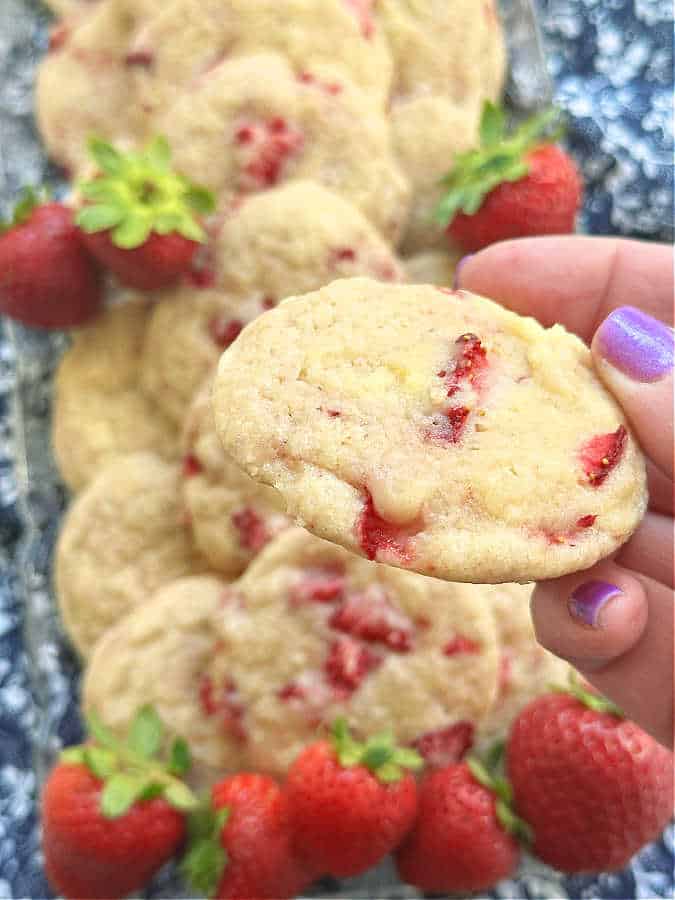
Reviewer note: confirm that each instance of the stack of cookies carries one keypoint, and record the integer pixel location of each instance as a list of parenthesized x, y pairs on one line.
[(322, 129)]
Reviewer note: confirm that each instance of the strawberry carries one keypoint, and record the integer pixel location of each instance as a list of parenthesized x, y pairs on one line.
[(47, 277), (594, 787), (241, 846), (513, 185), (112, 813), (139, 218), (351, 803), (465, 835)]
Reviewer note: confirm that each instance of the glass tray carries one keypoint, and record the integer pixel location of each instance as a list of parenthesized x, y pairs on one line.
[(41, 496)]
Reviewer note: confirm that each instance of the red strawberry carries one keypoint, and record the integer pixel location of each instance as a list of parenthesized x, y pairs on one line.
[(112, 815), (139, 216), (594, 787), (460, 842), (242, 848), (351, 803), (47, 277), (514, 185)]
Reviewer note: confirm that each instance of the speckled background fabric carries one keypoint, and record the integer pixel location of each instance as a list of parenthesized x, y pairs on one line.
[(612, 65)]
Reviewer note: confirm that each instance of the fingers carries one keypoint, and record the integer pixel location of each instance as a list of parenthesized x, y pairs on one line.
[(650, 550), (616, 628), (634, 355), (576, 281)]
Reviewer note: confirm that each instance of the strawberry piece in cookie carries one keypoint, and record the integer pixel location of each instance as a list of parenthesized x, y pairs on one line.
[(376, 535), (464, 375), (446, 745), (602, 454), (265, 150), (320, 632), (363, 10)]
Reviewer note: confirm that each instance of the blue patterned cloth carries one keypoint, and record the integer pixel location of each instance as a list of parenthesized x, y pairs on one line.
[(612, 62)]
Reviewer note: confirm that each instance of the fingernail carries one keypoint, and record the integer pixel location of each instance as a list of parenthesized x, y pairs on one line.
[(458, 270), (587, 602), (636, 344)]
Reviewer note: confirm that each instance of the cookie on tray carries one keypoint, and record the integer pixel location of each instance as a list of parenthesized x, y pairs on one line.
[(99, 411), (286, 241), (311, 631), (453, 48), (189, 37), (232, 516), (526, 670), (123, 537), (157, 654), (433, 430), (251, 123)]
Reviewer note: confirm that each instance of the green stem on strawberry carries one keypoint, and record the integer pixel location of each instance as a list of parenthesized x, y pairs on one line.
[(593, 701), (503, 792), (29, 199), (130, 769), (500, 157), (379, 753), (138, 193)]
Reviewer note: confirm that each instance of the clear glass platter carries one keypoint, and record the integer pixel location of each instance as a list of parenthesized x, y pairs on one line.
[(41, 497)]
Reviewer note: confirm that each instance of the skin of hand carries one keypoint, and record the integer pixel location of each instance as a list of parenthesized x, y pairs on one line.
[(613, 622)]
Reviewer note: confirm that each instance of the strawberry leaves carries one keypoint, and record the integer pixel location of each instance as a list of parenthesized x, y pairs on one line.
[(29, 199), (132, 770), (137, 193), (501, 157), (206, 858), (379, 754)]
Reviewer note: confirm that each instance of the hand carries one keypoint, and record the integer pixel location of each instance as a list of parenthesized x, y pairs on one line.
[(614, 622)]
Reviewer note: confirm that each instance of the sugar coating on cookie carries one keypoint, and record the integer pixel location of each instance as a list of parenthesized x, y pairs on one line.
[(188, 330), (296, 238), (189, 37), (232, 516), (427, 132), (251, 123), (463, 441), (122, 538), (289, 240), (157, 655), (453, 48), (311, 631), (431, 267), (99, 411), (526, 670)]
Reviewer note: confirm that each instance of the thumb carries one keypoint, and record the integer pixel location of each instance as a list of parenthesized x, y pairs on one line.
[(633, 354)]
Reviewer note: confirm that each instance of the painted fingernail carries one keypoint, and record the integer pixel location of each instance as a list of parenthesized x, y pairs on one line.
[(636, 344), (588, 601), (458, 270)]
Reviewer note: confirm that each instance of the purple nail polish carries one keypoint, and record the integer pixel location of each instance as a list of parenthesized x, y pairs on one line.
[(588, 601), (638, 345), (458, 269)]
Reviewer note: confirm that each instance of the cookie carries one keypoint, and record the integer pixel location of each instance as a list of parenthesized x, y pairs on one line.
[(432, 267), (86, 64), (526, 670), (427, 132), (311, 632), (188, 37), (288, 240), (251, 123), (99, 411), (188, 330), (448, 47), (157, 654), (434, 431), (122, 538), (296, 238), (231, 515)]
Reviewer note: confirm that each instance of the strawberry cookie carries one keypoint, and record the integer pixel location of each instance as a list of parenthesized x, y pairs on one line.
[(157, 655), (310, 632), (232, 516), (453, 49), (526, 670), (252, 123), (99, 411), (433, 430), (289, 240), (122, 538), (86, 63), (189, 37)]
